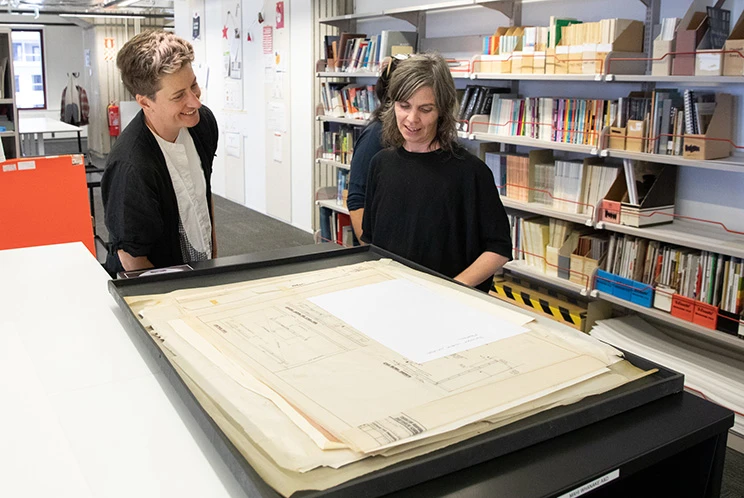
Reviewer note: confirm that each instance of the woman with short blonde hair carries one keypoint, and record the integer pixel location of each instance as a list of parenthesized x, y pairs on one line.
[(428, 199), (156, 186)]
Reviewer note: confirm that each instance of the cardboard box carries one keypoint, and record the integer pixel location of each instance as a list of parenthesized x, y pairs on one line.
[(575, 59), (538, 62), (561, 59), (733, 60), (663, 298), (705, 315), (550, 60), (728, 322), (516, 62), (662, 55), (690, 33), (708, 63), (655, 208), (715, 143), (683, 307), (616, 138), (635, 134)]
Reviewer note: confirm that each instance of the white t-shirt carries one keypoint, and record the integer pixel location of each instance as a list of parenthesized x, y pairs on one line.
[(184, 166)]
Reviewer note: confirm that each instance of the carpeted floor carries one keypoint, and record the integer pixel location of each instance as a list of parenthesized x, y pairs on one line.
[(241, 231)]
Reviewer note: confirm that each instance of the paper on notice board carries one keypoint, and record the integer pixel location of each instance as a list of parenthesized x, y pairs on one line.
[(278, 146), (277, 117), (232, 146), (414, 321)]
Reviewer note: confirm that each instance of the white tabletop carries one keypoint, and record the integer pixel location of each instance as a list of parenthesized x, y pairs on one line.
[(86, 411), (44, 125)]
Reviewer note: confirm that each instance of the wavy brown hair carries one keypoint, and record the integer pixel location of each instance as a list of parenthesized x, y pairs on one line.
[(150, 55), (412, 74)]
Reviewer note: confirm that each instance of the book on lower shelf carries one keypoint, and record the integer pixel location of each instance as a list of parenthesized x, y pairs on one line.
[(702, 287)]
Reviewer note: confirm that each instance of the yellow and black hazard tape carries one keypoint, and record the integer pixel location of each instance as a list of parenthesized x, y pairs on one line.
[(537, 302)]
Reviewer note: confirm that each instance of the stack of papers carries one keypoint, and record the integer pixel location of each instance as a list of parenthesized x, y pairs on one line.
[(324, 376), (708, 373)]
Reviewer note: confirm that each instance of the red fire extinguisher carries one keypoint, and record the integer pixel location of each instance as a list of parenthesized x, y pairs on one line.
[(114, 120)]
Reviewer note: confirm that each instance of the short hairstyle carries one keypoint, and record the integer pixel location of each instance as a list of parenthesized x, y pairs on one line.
[(148, 56), (412, 74)]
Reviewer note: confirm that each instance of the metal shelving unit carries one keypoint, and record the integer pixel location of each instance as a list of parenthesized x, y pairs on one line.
[(531, 142), (335, 164), (521, 268), (349, 121), (544, 210), (733, 163), (331, 204)]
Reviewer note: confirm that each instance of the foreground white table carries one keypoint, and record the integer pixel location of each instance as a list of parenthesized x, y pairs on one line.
[(85, 414), (32, 132)]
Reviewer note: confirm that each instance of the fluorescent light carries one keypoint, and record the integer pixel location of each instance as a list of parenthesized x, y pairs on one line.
[(102, 16)]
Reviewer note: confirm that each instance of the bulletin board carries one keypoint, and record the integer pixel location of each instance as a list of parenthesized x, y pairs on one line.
[(275, 45)]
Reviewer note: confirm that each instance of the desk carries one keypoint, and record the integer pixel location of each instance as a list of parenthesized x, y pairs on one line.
[(93, 414), (32, 132)]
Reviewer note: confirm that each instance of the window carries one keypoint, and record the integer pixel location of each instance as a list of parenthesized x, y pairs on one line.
[(28, 66)]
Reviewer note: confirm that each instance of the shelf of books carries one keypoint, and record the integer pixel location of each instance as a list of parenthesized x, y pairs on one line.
[(691, 234), (521, 268), (333, 205), (667, 318), (349, 121), (335, 164)]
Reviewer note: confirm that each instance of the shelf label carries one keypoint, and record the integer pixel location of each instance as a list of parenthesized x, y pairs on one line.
[(591, 486)]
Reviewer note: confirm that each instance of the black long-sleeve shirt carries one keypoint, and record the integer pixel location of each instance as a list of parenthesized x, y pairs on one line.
[(439, 209)]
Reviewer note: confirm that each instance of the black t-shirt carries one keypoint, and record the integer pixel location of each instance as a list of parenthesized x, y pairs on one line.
[(438, 209)]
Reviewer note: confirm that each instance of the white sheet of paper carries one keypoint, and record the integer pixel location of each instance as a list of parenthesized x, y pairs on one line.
[(414, 321)]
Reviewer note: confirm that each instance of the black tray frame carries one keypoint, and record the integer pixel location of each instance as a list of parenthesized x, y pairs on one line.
[(493, 444)]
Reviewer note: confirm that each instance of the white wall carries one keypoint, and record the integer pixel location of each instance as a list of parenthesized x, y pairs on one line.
[(63, 53), (251, 122)]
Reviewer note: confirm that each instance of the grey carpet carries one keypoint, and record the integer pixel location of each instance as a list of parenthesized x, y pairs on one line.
[(733, 475), (241, 231)]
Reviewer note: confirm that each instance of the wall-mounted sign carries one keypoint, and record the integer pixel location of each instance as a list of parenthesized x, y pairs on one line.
[(196, 26), (109, 52), (268, 40)]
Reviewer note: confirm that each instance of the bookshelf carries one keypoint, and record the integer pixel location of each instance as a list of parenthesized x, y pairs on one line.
[(10, 137), (687, 234), (332, 205), (521, 268), (334, 164), (349, 121), (681, 233)]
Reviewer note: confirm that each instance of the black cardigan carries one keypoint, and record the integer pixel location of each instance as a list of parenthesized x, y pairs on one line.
[(141, 210)]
